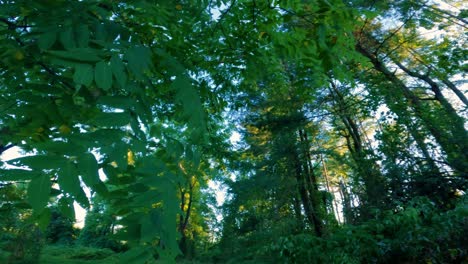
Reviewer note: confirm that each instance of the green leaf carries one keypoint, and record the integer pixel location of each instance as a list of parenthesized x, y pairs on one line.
[(150, 166), (119, 102), (100, 31), (135, 125), (83, 74), (78, 55), (68, 179), (17, 175), (64, 63), (149, 228), (70, 183), (66, 38), (137, 188), (82, 35), (175, 148), (118, 69), (322, 34), (104, 137), (196, 159), (168, 255), (136, 255), (66, 207), (111, 119), (188, 152), (40, 162), (118, 153), (169, 236), (88, 168), (46, 40), (107, 31), (190, 100), (43, 218), (139, 60), (61, 147), (38, 192), (103, 75), (145, 199)]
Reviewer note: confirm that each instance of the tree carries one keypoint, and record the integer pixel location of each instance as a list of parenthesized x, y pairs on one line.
[(99, 227), (143, 91), (92, 82), (60, 229), (19, 236)]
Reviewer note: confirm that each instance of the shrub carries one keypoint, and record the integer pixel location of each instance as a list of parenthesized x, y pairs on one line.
[(77, 252), (26, 245), (418, 233)]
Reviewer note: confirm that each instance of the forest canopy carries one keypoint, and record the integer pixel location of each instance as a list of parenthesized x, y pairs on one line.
[(336, 130)]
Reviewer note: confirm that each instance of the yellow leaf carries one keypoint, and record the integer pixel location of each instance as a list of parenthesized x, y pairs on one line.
[(19, 56), (193, 180), (130, 158), (25, 12), (178, 7), (64, 129), (114, 164), (261, 34)]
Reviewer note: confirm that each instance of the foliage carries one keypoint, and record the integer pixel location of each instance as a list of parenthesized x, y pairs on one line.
[(60, 229), (417, 233), (77, 253), (99, 228), (25, 245), (20, 239), (95, 81), (59, 254), (347, 111)]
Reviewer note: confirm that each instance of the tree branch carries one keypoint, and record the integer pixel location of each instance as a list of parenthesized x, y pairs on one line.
[(5, 148)]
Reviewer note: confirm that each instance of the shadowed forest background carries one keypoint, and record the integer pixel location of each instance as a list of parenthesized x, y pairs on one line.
[(242, 131)]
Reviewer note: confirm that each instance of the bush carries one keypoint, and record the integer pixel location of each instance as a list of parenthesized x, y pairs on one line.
[(60, 229), (82, 253), (26, 245), (417, 234)]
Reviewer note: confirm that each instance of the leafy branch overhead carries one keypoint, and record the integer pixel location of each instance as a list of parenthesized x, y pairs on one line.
[(313, 115)]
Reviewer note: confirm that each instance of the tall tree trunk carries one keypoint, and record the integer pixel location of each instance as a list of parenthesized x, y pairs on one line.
[(305, 197), (444, 80), (184, 218), (456, 91), (348, 216), (311, 181), (329, 189), (298, 212), (453, 143), (419, 139), (455, 120), (368, 170)]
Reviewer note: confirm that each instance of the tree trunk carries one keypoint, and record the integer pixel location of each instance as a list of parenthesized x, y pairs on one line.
[(348, 216), (297, 211), (305, 198), (311, 182), (454, 143), (368, 170), (327, 182), (183, 219)]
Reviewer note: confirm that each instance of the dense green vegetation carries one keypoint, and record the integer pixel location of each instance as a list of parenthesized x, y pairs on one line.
[(337, 130)]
